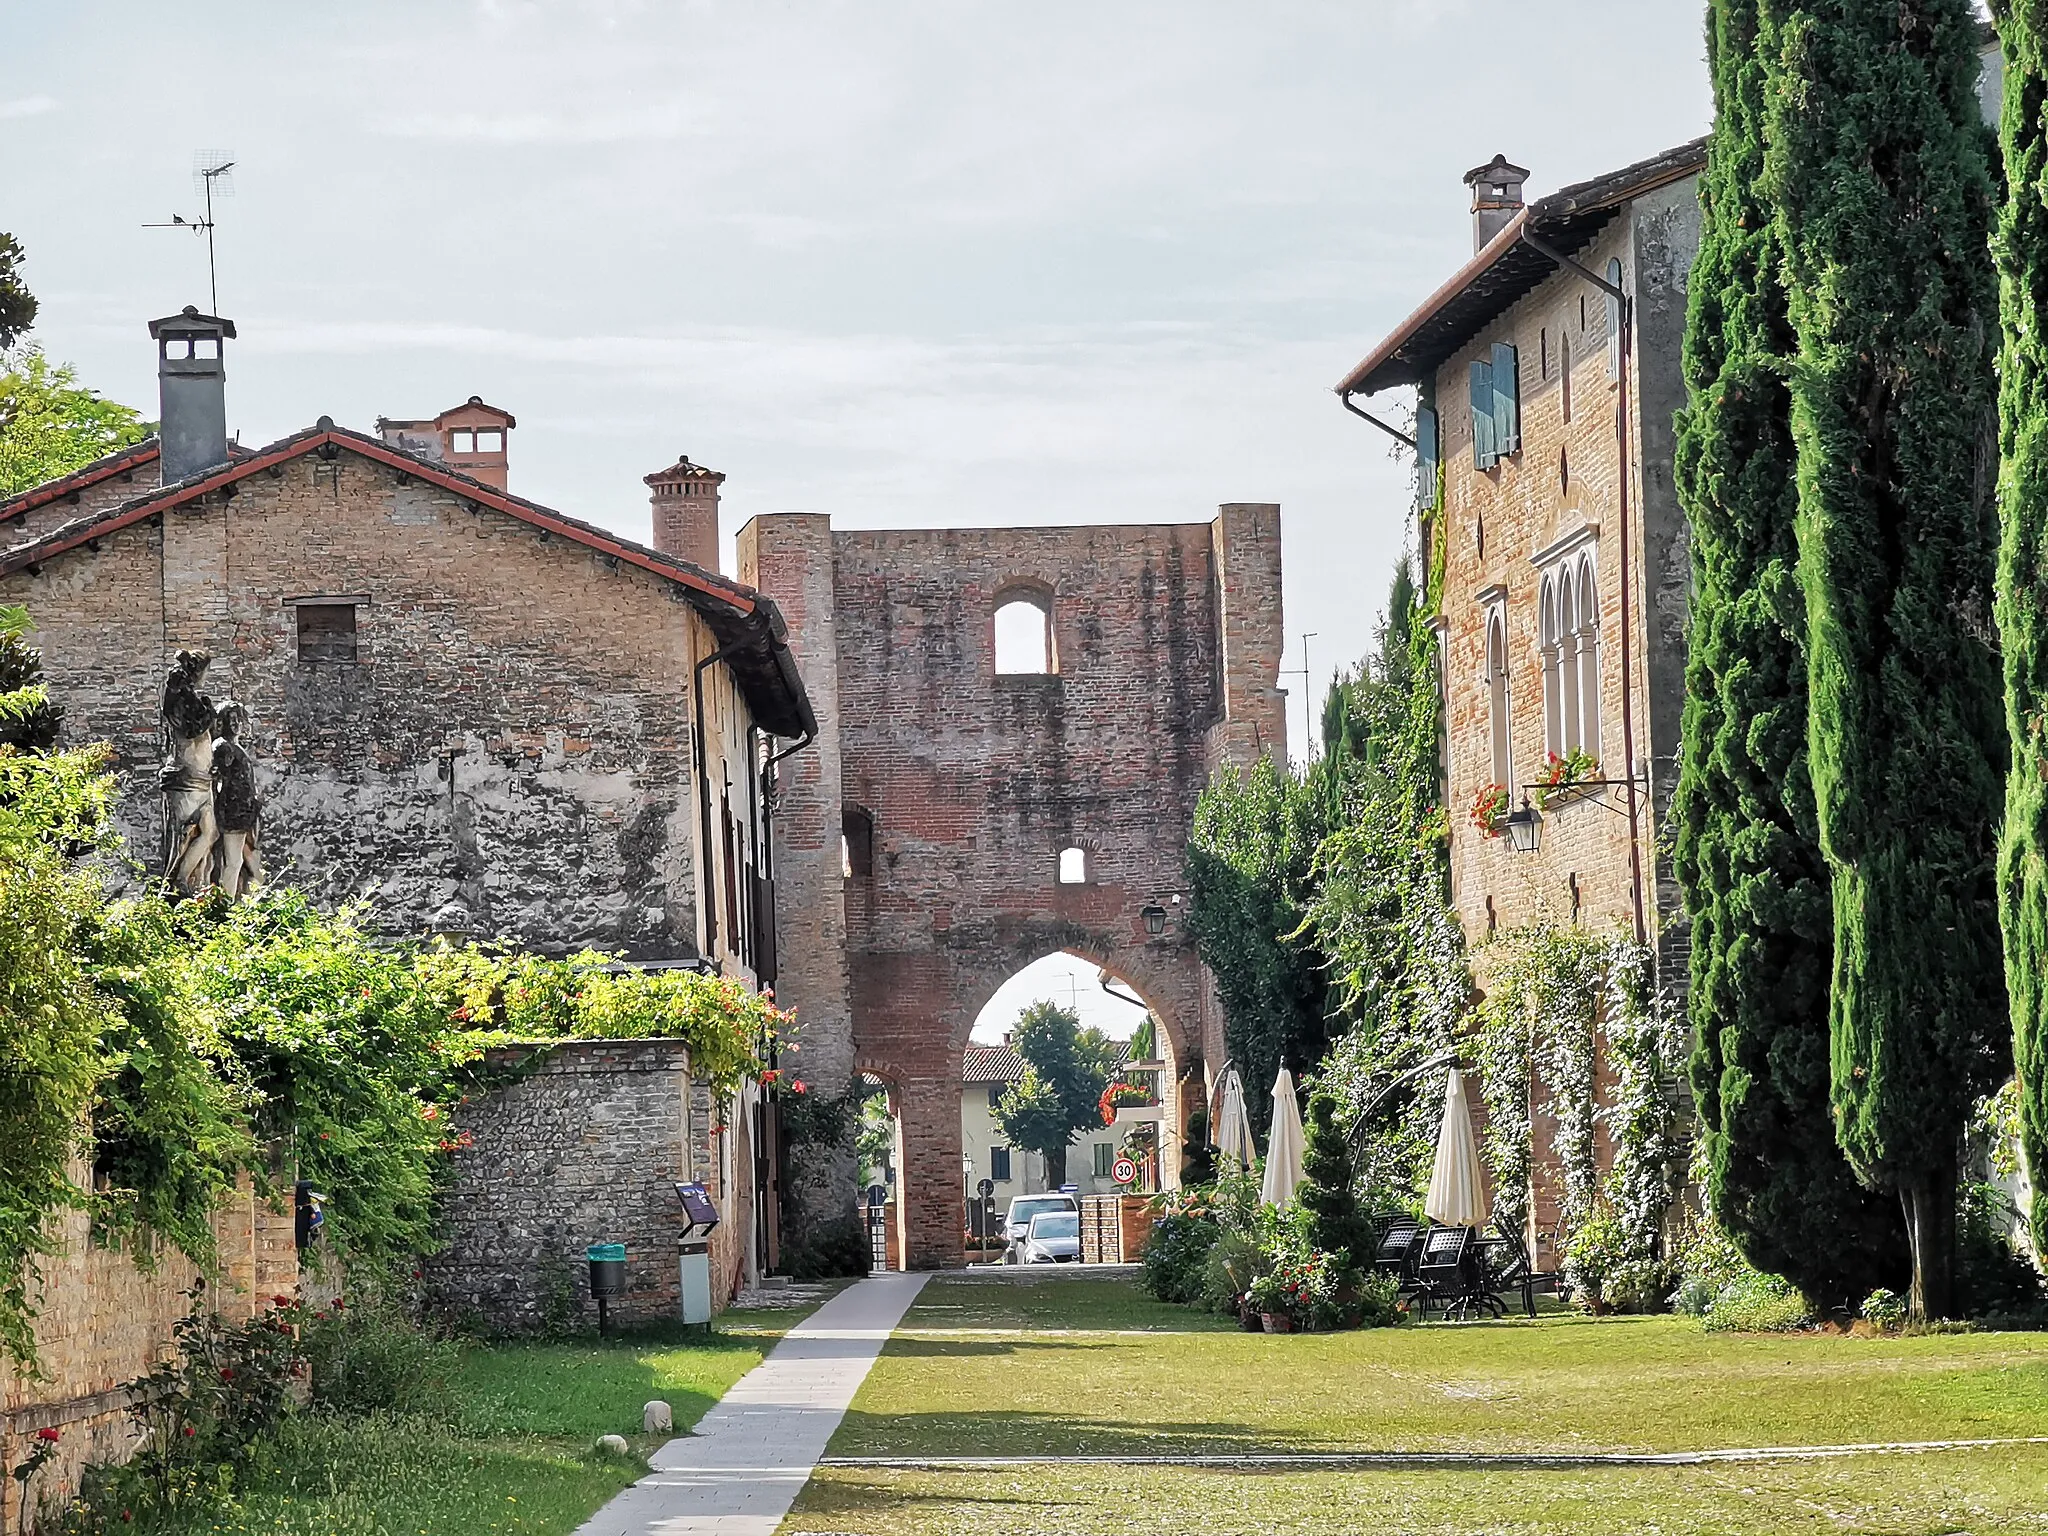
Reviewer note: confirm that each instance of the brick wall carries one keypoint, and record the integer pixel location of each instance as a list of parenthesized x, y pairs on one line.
[(1168, 642), (1499, 527), (103, 1321), (584, 1145)]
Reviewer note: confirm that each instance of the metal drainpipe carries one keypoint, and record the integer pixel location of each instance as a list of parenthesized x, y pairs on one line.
[(1626, 345), (1344, 399)]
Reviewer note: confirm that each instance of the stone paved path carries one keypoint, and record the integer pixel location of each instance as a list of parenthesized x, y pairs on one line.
[(752, 1454)]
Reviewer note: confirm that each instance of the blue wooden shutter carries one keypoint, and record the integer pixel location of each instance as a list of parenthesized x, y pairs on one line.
[(1507, 400), (1425, 458), (1484, 454)]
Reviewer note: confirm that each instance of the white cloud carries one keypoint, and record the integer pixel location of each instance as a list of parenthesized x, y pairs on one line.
[(28, 106), (610, 126)]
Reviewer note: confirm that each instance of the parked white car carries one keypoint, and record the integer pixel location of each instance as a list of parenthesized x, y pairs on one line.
[(1017, 1222), (1054, 1237)]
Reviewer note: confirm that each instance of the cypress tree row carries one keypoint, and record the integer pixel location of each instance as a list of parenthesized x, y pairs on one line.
[(2023, 569), (1877, 165), (1748, 854)]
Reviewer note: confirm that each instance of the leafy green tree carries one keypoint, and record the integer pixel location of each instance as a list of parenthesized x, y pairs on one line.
[(28, 720), (2023, 569), (1335, 1223), (1066, 1068), (50, 424), (1877, 170), (1249, 865), (1748, 855), (17, 304)]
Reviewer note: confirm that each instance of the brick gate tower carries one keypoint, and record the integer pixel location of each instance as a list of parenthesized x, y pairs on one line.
[(966, 813)]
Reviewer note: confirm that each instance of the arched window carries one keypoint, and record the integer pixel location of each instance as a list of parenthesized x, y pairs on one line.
[(1588, 649), (1497, 696), (856, 842), (1073, 866), (1568, 694), (1023, 634), (1552, 656)]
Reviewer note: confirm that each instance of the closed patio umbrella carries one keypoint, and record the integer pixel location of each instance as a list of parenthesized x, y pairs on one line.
[(1233, 1125), (1283, 1146), (1457, 1186)]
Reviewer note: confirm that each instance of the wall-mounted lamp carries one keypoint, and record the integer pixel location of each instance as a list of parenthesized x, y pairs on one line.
[(1525, 828), (1155, 920)]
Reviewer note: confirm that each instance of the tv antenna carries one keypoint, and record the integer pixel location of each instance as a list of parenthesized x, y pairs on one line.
[(1308, 718), (212, 176)]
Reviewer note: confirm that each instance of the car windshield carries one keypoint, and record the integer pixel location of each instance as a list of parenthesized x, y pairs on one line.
[(1021, 1211), (1056, 1224)]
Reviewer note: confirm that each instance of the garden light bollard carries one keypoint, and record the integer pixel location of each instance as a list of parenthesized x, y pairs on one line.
[(693, 1254), (607, 1278)]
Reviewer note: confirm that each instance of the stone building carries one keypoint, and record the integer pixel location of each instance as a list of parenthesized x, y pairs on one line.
[(485, 717), (1547, 376), (967, 811)]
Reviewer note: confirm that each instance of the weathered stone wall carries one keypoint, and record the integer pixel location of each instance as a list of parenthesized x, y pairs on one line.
[(509, 755), (103, 1321), (1168, 641), (584, 1144)]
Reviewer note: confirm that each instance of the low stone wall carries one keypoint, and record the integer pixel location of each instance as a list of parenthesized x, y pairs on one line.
[(103, 1321), (584, 1145)]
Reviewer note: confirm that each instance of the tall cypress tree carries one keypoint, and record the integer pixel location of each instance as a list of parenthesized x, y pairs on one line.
[(2023, 568), (1878, 169), (1748, 855)]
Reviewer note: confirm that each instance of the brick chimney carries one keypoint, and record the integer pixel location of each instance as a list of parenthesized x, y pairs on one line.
[(191, 376), (1496, 198), (685, 502), (469, 438)]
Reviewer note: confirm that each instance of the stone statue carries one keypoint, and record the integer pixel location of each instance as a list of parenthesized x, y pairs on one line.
[(186, 777), (239, 866)]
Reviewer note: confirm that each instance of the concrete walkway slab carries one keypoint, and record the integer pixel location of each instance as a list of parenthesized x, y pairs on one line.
[(751, 1455)]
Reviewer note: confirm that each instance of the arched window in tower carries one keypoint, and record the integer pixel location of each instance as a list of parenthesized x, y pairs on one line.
[(1073, 866), (1589, 659), (1568, 693), (1023, 637), (1551, 654), (1497, 696)]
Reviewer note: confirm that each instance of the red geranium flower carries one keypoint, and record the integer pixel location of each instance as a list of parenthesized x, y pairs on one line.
[(49, 1436)]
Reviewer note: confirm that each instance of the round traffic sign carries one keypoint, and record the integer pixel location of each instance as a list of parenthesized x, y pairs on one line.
[(1123, 1170)]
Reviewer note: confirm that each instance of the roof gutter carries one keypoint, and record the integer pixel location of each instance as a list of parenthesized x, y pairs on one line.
[(1494, 250), (1344, 398)]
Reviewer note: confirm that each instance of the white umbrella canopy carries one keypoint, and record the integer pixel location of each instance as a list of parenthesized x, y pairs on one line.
[(1233, 1124), (1283, 1146), (1457, 1186)]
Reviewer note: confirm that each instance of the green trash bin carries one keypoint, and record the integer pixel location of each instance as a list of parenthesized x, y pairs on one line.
[(607, 1277)]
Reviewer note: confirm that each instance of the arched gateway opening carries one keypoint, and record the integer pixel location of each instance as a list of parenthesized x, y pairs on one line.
[(1007, 815)]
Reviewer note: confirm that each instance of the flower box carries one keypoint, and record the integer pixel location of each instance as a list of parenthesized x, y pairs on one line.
[(1141, 1114)]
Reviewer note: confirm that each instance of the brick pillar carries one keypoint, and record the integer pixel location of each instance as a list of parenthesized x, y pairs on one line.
[(1245, 545), (933, 1187), (789, 557)]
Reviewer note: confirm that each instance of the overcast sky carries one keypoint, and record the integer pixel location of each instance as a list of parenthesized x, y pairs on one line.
[(907, 263)]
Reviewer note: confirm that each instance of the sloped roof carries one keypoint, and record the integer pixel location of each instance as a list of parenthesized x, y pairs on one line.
[(1508, 269), (737, 615), (121, 461), (1003, 1064)]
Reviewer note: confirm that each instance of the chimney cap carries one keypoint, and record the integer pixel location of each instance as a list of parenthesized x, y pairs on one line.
[(188, 321), (683, 469), (1499, 169)]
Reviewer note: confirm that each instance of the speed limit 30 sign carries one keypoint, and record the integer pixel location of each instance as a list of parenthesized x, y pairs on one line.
[(1123, 1170)]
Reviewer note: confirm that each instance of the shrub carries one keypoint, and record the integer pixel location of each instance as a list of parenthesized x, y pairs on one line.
[(1994, 1279), (832, 1250), (1605, 1270), (1235, 1261), (1176, 1257), (1759, 1303), (1378, 1304), (1885, 1310), (368, 1356), (1305, 1285)]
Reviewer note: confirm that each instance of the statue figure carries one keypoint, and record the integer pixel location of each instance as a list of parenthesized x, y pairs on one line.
[(235, 806), (186, 777)]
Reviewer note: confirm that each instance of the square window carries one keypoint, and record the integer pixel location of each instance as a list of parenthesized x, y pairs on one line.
[(327, 632), (462, 440), (492, 441), (1105, 1159), (1073, 866), (999, 1164)]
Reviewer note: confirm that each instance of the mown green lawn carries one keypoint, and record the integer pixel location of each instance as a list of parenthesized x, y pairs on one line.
[(1071, 1366), (511, 1452), (1083, 1366), (1983, 1493)]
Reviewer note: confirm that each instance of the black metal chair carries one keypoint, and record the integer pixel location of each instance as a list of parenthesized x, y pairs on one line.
[(1451, 1272), (1395, 1253), (1514, 1271)]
